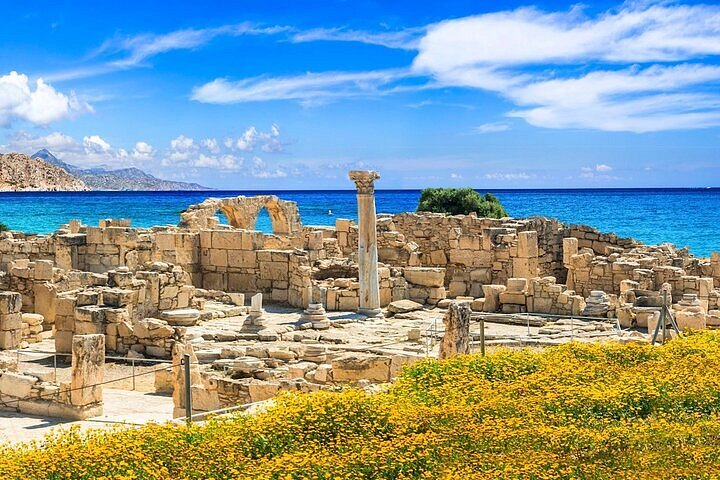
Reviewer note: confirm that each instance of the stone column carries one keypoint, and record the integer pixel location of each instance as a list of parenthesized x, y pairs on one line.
[(367, 241)]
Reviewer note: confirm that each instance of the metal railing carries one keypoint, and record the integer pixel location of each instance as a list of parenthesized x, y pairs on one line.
[(131, 360)]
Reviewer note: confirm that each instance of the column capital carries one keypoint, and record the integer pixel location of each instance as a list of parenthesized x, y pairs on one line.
[(364, 180)]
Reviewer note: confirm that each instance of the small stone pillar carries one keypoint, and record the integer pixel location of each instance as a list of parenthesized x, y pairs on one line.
[(457, 330), (88, 370), (10, 320), (367, 241), (178, 376), (256, 310)]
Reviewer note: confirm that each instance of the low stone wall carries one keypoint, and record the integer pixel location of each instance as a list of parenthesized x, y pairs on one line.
[(34, 393)]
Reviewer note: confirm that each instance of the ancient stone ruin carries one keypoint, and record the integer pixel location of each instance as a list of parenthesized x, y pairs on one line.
[(305, 308)]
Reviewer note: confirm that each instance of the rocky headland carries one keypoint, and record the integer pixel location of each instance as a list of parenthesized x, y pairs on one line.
[(19, 172)]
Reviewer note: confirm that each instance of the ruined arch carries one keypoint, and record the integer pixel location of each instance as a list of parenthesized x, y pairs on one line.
[(242, 212)]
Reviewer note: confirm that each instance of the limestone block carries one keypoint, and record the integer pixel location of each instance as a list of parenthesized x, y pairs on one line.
[(45, 301), (478, 305), (204, 399), (527, 244), (356, 366), (242, 259), (456, 289), (10, 339), (438, 257), (404, 306), (260, 390), (11, 321), (10, 302), (16, 384), (88, 369), (323, 373), (570, 248), (425, 276), (118, 297), (152, 328), (63, 341), (89, 328), (32, 319), (298, 370), (348, 303), (516, 284), (218, 258), (492, 297), (688, 320), (515, 298), (43, 270)]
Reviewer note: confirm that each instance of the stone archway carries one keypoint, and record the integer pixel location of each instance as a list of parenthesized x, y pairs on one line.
[(242, 212)]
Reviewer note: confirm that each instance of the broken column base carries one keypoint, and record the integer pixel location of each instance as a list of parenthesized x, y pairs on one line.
[(316, 315)]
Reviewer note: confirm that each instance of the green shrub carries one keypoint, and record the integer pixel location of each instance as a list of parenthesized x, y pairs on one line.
[(3, 227), (460, 201)]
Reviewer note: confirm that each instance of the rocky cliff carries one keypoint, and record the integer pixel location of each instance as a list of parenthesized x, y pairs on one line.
[(19, 172)]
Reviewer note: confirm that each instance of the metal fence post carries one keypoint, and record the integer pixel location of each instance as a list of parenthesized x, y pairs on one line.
[(55, 366), (188, 393), (482, 336), (133, 373)]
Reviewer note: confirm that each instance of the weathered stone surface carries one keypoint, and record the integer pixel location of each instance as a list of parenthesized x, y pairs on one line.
[(404, 306), (456, 339), (353, 367), (425, 276), (16, 385), (88, 369)]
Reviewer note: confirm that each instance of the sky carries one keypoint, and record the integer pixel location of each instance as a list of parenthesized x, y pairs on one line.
[(292, 94)]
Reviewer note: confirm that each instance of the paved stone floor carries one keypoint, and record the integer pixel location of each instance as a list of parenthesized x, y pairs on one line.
[(120, 406)]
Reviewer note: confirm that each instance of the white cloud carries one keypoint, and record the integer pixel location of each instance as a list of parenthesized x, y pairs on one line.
[(601, 167), (138, 48), (39, 104), (260, 169), (532, 58), (310, 87), (182, 143), (455, 176), (96, 144), (507, 176), (211, 144), (492, 127), (406, 39), (640, 67), (636, 32), (143, 152)]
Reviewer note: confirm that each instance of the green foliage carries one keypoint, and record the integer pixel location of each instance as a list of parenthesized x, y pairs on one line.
[(460, 201), (3, 227)]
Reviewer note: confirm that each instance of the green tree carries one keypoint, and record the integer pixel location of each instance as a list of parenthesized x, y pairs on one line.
[(3, 227), (460, 201)]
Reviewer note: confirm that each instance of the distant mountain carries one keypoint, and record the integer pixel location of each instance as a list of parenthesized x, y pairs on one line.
[(19, 172), (106, 178)]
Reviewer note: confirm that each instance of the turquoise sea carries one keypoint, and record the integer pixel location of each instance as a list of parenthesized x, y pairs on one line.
[(680, 216)]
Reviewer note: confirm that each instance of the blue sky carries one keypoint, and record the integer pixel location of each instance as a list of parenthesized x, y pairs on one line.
[(292, 94)]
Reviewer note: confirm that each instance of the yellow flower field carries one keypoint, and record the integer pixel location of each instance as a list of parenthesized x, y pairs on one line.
[(577, 411)]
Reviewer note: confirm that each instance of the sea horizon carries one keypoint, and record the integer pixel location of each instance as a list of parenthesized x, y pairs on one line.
[(637, 212)]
